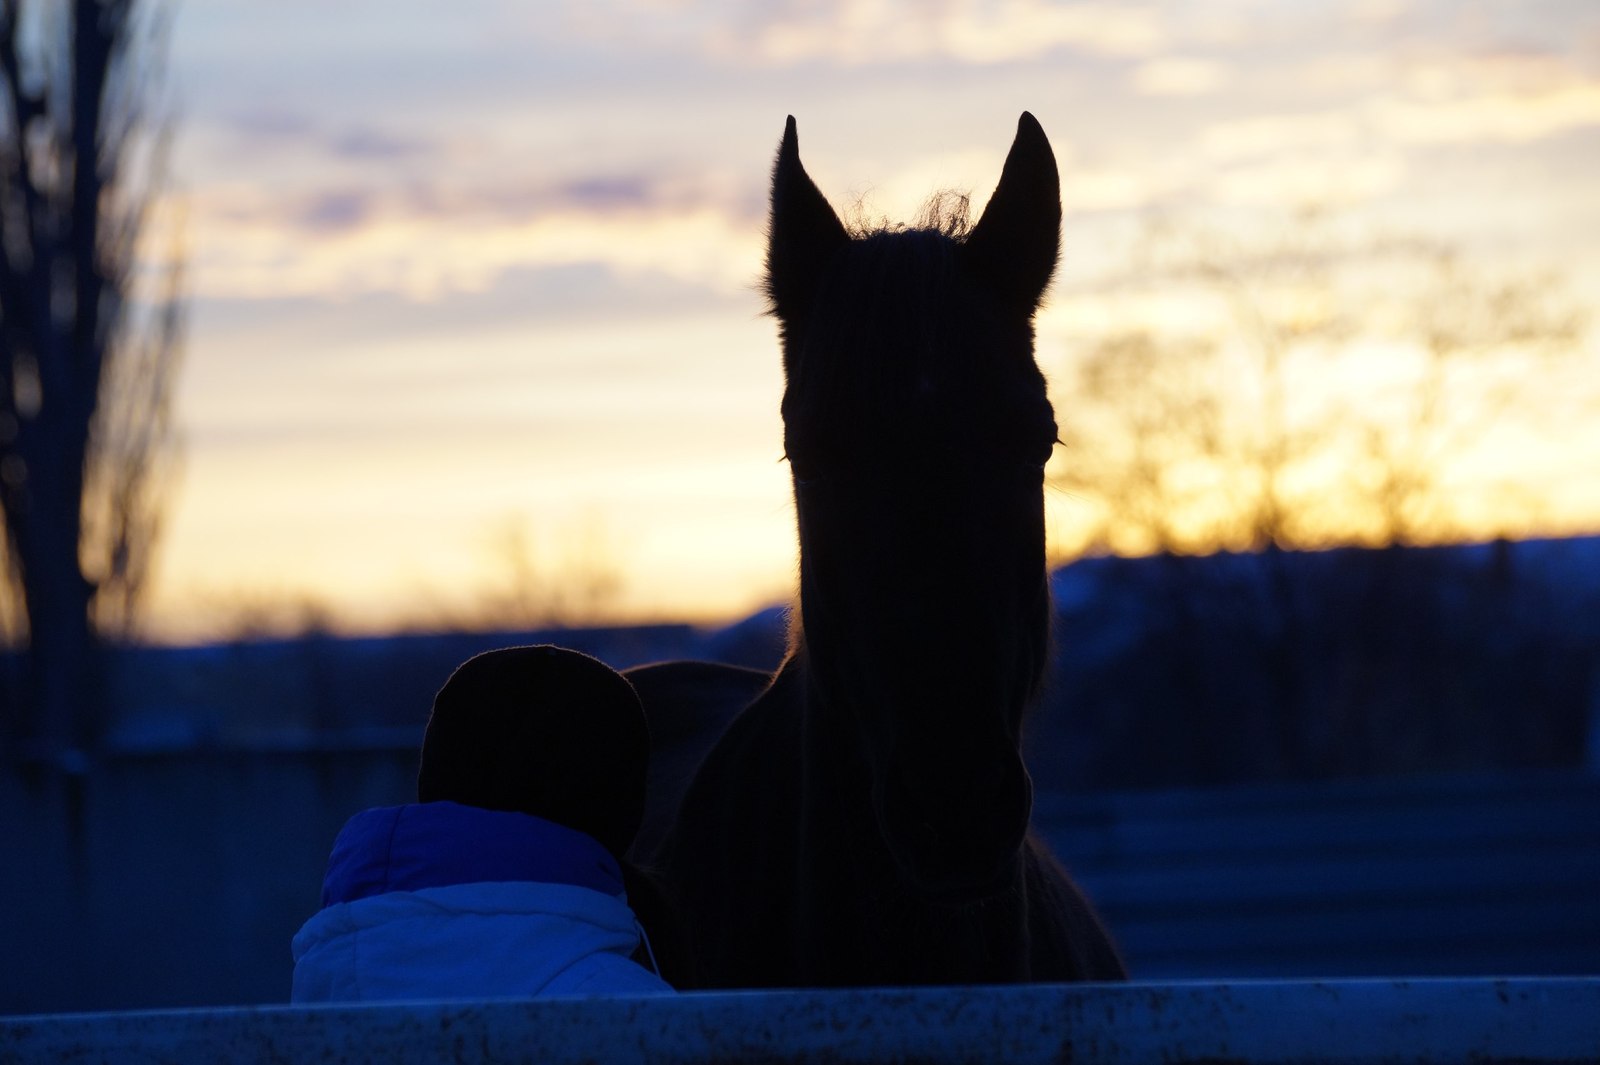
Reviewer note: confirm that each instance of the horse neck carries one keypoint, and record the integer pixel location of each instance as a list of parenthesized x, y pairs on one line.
[(892, 618), (929, 794), (987, 654), (835, 693)]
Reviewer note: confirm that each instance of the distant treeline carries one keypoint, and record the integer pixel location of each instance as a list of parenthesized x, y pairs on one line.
[(1177, 671), (1170, 671)]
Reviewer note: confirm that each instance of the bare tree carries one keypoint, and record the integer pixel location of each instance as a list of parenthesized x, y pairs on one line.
[(1482, 340), (577, 584), (1159, 444), (1317, 404), (85, 372)]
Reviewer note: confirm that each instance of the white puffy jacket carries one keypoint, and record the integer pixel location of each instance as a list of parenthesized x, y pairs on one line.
[(441, 901)]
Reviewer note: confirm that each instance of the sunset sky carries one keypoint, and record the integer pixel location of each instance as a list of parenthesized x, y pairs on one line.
[(472, 272)]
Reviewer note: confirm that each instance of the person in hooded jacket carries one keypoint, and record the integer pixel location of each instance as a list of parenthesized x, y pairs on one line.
[(504, 879)]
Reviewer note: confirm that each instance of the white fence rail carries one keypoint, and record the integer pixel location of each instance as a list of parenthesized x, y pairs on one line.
[(1352, 1022)]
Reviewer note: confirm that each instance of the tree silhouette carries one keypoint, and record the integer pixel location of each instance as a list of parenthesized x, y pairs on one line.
[(1319, 400), (85, 372), (574, 581)]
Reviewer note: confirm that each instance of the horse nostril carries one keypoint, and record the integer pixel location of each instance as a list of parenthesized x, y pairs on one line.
[(956, 838)]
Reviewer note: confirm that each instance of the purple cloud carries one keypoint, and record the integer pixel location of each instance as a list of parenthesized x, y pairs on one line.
[(334, 212), (369, 143)]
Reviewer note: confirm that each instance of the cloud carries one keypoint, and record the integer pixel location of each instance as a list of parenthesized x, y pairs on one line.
[(610, 193), (1476, 100), (334, 212), (1176, 76), (874, 32), (367, 143), (272, 131), (268, 124), (1264, 135), (1099, 188), (1504, 117), (1309, 178), (1504, 95), (255, 245)]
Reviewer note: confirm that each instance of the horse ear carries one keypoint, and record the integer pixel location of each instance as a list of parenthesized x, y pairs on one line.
[(803, 234), (1015, 243)]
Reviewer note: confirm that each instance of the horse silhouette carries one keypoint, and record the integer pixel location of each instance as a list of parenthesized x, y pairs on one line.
[(865, 819)]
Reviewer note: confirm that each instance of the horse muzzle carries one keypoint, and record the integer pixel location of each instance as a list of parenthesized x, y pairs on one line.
[(957, 839)]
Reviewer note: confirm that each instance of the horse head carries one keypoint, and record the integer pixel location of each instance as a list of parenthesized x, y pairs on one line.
[(917, 427)]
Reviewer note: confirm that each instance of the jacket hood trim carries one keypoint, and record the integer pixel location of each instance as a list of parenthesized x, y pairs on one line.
[(442, 844)]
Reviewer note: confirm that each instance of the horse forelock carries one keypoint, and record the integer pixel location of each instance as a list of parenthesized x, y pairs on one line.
[(948, 213)]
